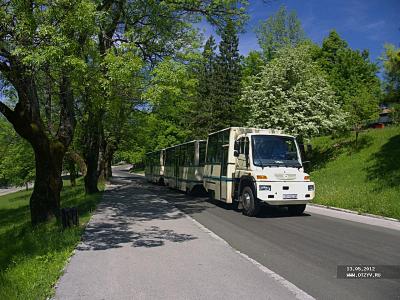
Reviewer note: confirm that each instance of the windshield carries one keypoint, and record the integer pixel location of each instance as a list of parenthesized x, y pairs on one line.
[(272, 150)]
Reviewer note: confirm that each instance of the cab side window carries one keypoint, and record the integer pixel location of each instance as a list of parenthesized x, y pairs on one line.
[(241, 146), (244, 145)]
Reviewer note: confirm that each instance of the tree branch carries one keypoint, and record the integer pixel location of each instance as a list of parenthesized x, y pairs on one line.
[(7, 112), (67, 115)]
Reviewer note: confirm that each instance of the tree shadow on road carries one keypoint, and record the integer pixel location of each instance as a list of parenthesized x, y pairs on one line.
[(123, 208)]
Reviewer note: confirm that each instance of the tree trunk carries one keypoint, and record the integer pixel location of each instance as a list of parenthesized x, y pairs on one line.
[(91, 178), (72, 172), (102, 160), (108, 165), (45, 199), (91, 154), (107, 153)]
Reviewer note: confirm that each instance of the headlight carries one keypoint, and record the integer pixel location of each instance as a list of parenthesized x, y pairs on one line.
[(311, 187), (264, 187)]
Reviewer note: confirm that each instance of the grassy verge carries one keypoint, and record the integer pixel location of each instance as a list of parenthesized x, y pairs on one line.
[(365, 178), (31, 260)]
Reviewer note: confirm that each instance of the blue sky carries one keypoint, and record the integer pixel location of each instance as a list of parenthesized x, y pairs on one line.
[(363, 24)]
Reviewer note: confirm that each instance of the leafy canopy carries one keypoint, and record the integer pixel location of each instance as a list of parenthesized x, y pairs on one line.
[(280, 30), (292, 93)]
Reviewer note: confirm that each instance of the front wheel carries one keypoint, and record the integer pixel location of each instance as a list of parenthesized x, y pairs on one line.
[(251, 205), (296, 210)]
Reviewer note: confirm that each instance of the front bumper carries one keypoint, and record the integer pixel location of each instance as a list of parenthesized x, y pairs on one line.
[(286, 192)]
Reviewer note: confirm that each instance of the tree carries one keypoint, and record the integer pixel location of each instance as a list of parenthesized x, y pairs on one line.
[(362, 108), (350, 72), (330, 46), (278, 31), (228, 75), (204, 103), (292, 93), (153, 30), (391, 64), (252, 64), (41, 46), (170, 96)]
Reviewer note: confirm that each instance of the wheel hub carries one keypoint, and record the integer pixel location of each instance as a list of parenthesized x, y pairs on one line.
[(246, 200)]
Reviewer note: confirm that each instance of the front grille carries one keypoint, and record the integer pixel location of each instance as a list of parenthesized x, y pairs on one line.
[(283, 177)]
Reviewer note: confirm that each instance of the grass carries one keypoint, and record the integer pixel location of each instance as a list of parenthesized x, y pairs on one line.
[(32, 259), (365, 178)]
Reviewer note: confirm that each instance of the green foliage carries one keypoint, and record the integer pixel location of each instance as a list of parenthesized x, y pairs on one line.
[(17, 161), (203, 108), (227, 80), (365, 179), (293, 94), (362, 108), (31, 260), (391, 64), (350, 72), (163, 120), (395, 113), (252, 65), (219, 87), (278, 31), (330, 46)]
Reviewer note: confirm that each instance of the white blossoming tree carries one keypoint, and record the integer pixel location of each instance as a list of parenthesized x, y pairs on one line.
[(292, 93)]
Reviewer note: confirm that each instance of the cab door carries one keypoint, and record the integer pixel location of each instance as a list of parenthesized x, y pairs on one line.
[(242, 162), (224, 171)]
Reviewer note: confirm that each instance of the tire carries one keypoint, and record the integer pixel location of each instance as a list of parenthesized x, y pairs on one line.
[(296, 210), (251, 205)]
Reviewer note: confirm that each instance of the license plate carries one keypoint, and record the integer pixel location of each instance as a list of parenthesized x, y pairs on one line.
[(289, 196)]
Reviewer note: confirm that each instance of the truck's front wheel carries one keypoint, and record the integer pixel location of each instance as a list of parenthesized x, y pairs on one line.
[(251, 205), (296, 210)]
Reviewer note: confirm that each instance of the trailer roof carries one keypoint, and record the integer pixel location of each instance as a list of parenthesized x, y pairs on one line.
[(252, 129), (190, 142)]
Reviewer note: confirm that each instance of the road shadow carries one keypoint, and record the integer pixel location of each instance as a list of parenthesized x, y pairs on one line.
[(124, 207), (272, 212), (385, 170), (192, 205)]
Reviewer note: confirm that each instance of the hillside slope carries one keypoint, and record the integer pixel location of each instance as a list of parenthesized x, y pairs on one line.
[(366, 178)]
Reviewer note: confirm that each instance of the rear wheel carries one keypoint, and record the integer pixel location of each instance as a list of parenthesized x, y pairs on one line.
[(296, 210), (251, 205)]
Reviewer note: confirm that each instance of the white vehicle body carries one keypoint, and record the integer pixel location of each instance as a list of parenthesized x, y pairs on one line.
[(154, 166), (275, 181), (184, 165)]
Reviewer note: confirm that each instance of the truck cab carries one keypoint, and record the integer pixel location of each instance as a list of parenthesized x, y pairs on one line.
[(251, 166), (271, 168)]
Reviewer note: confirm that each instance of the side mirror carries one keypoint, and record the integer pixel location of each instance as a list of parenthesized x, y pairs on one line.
[(235, 153)]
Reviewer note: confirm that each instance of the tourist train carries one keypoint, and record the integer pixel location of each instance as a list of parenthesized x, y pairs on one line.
[(245, 167)]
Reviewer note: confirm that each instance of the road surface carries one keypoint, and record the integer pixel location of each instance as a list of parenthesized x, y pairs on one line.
[(138, 245), (305, 250)]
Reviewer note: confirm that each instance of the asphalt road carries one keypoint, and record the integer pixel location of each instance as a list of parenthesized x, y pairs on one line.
[(305, 250), (138, 245)]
